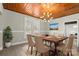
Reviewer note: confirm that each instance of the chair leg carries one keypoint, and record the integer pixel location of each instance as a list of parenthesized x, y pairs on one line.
[(71, 54), (31, 50), (67, 54), (49, 53), (36, 53), (41, 54), (28, 48), (50, 44), (45, 42)]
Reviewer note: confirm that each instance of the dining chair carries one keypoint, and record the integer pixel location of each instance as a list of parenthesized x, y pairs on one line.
[(40, 47), (60, 36), (66, 49), (30, 42)]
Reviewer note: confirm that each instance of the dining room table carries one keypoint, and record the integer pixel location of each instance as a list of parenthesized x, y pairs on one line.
[(49, 38), (56, 41)]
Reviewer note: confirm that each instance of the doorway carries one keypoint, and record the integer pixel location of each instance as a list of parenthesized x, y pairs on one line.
[(72, 28)]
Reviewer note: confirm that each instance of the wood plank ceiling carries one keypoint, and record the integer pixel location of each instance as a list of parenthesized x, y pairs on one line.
[(37, 9)]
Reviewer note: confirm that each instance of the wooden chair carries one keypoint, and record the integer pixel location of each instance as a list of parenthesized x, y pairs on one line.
[(40, 47), (30, 42), (61, 37), (66, 49)]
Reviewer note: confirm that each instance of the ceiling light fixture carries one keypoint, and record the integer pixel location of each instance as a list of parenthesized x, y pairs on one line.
[(47, 14)]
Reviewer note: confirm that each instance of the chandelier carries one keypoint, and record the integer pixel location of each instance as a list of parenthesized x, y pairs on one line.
[(47, 14)]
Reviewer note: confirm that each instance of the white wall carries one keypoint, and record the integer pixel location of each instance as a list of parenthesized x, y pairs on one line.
[(35, 25), (16, 22), (21, 25), (71, 29), (1, 26), (32, 25), (61, 22), (44, 27)]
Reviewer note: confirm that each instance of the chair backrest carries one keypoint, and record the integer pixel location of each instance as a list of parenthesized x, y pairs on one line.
[(39, 43), (70, 41), (30, 41)]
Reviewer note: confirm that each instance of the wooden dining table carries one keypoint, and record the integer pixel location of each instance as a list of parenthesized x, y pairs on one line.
[(50, 39), (55, 41)]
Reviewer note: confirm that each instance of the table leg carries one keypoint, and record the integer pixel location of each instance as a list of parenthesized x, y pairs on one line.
[(55, 53), (50, 44), (45, 42)]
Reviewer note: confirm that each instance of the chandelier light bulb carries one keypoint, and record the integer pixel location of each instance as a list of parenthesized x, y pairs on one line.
[(44, 13), (50, 13), (48, 20), (47, 13)]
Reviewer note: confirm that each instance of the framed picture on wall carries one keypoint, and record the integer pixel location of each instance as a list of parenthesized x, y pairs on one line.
[(53, 26)]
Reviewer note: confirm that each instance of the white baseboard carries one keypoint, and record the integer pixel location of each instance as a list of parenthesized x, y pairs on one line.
[(17, 43)]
